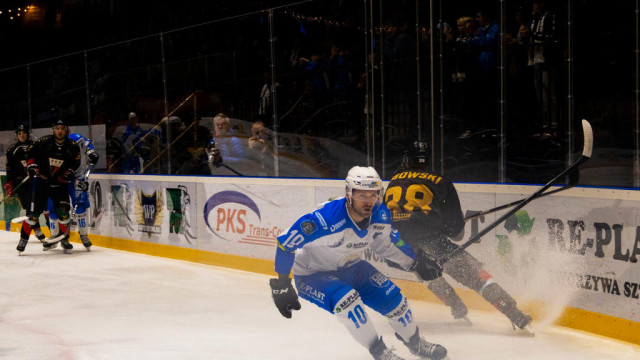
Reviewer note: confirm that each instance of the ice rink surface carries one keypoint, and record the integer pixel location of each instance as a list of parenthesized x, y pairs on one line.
[(109, 304)]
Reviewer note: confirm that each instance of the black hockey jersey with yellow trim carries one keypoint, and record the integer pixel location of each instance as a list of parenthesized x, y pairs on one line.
[(423, 205)]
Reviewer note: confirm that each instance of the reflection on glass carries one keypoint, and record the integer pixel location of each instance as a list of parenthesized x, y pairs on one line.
[(497, 89)]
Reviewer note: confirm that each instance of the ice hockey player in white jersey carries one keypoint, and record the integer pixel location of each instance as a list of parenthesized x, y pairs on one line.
[(325, 250)]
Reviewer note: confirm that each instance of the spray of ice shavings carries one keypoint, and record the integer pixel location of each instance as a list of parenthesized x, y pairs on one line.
[(539, 271)]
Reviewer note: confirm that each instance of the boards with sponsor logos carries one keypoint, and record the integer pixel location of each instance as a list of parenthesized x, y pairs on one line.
[(578, 248)]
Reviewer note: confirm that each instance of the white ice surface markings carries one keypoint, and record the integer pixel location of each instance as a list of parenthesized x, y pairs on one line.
[(109, 304)]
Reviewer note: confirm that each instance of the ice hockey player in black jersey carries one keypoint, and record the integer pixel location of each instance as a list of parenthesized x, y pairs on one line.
[(53, 160), (425, 209), (16, 174)]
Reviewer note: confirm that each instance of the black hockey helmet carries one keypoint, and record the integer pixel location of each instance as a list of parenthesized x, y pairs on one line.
[(59, 122), (21, 127), (415, 155)]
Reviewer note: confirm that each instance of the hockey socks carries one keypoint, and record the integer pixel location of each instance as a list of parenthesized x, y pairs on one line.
[(498, 297), (443, 290), (349, 310)]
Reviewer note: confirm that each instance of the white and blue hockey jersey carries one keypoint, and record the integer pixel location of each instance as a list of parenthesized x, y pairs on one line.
[(328, 239), (85, 145)]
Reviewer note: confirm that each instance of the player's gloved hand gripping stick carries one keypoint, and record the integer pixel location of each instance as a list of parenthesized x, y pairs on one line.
[(11, 190), (426, 266)]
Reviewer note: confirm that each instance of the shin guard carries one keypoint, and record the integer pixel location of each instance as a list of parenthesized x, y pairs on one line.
[(443, 290), (501, 300), (401, 319), (82, 224), (350, 312)]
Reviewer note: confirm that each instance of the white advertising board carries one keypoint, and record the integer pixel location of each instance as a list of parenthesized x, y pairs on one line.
[(578, 248)]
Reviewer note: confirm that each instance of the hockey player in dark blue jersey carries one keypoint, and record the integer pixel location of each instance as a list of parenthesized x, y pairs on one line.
[(325, 250)]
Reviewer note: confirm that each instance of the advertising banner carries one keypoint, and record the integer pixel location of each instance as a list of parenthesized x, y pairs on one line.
[(577, 249), (246, 219)]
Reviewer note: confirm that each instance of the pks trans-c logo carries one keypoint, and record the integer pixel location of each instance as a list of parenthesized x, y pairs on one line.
[(233, 216)]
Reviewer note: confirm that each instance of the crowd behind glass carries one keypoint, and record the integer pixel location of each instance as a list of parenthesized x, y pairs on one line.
[(497, 88)]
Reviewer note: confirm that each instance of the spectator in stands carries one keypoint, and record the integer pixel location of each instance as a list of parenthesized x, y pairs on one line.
[(484, 42), (267, 93), (131, 145), (545, 57), (229, 145), (260, 147)]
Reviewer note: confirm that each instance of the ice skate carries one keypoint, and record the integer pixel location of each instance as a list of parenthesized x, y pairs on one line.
[(48, 246), (421, 347), (379, 351), (51, 242), (460, 315), (86, 242), (39, 235), (66, 245), (22, 245), (523, 323)]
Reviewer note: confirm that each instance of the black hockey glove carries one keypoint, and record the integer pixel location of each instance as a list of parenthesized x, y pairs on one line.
[(93, 156), (33, 170), (66, 177), (426, 266), (284, 296)]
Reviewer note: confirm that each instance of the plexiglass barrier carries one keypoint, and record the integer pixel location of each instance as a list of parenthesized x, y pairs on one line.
[(497, 88)]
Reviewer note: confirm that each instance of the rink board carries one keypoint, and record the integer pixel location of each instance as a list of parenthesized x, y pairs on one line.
[(575, 248)]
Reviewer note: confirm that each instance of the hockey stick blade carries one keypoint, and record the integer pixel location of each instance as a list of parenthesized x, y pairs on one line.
[(586, 154), (574, 175), (19, 219), (54, 240)]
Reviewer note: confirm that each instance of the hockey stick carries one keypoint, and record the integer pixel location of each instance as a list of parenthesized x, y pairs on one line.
[(32, 204), (16, 188), (54, 240), (586, 154), (231, 169), (574, 177)]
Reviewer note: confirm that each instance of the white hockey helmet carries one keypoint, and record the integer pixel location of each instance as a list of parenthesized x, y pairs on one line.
[(363, 178)]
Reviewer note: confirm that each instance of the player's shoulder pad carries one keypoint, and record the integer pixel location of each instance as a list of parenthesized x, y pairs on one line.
[(45, 138), (11, 148), (76, 137), (332, 215), (380, 214)]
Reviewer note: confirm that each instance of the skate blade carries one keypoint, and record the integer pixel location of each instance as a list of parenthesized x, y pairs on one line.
[(528, 330), (525, 331), (66, 251), (463, 321), (47, 248)]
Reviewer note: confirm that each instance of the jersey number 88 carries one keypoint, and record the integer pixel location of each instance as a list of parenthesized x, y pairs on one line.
[(415, 197)]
